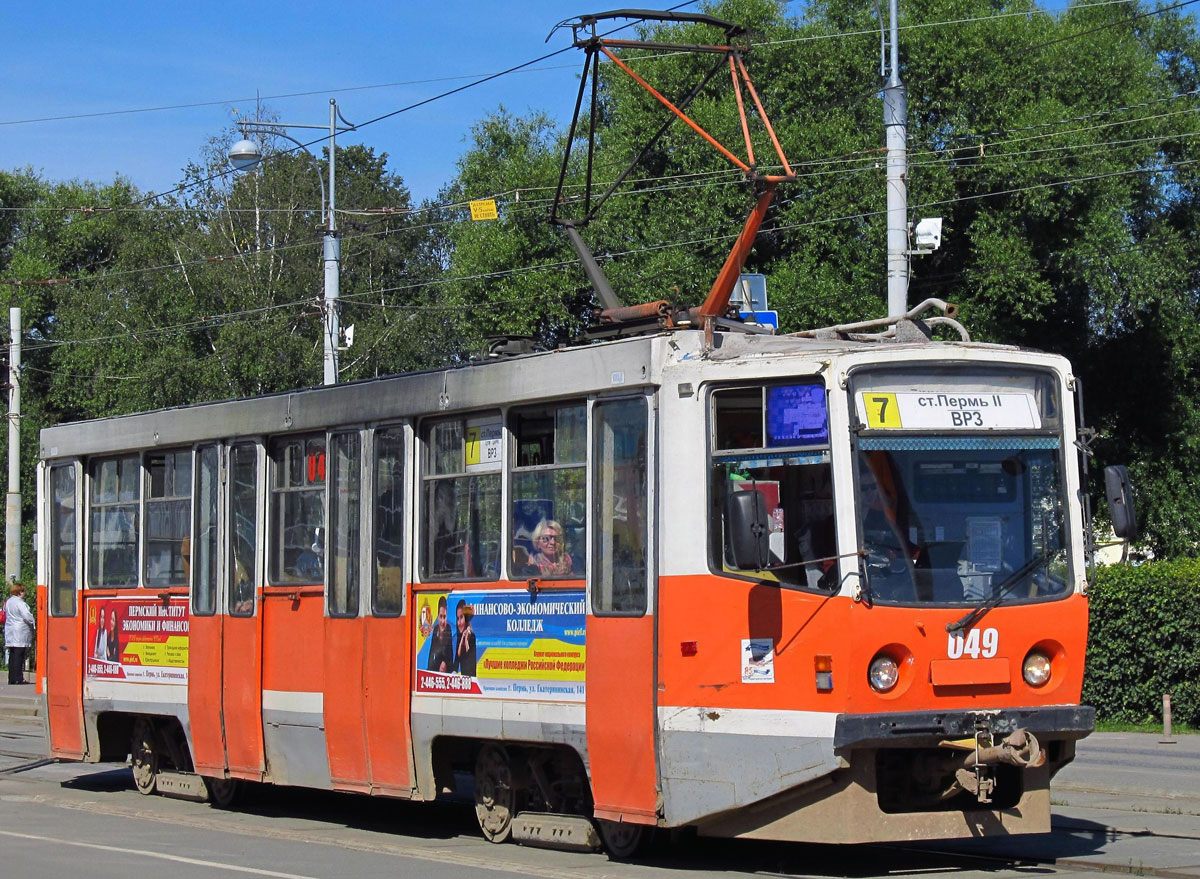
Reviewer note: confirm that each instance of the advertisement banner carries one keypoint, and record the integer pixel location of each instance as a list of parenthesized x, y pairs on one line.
[(137, 639), (501, 644)]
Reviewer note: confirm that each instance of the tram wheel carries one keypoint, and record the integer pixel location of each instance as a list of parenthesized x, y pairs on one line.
[(495, 796), (223, 792), (621, 839), (144, 757)]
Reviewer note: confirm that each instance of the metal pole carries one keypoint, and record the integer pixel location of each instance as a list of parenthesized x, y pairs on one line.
[(12, 507), (332, 253), (895, 120)]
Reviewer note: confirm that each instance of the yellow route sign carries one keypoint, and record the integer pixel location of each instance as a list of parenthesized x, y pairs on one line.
[(882, 411), (483, 209)]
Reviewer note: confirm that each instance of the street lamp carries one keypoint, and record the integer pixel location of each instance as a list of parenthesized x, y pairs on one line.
[(245, 154)]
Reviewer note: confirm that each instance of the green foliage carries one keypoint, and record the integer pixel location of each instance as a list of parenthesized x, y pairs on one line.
[(1062, 152), (1144, 639)]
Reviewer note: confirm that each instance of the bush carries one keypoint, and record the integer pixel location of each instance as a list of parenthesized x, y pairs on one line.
[(1144, 641)]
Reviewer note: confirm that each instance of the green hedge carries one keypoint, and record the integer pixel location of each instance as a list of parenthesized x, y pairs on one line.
[(1144, 641)]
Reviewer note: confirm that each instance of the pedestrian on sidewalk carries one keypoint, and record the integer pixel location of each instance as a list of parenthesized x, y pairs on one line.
[(18, 633)]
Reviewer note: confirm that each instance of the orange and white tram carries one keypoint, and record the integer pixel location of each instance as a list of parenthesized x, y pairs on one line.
[(773, 587)]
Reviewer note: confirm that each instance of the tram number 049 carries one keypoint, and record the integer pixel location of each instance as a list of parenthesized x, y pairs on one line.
[(975, 643)]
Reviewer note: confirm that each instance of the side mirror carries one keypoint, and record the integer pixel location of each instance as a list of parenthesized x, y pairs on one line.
[(1119, 494), (747, 529)]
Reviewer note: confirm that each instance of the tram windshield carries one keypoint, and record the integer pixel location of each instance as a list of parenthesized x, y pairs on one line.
[(960, 487)]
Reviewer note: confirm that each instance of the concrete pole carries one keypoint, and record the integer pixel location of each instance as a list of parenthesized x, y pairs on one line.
[(895, 120), (332, 254), (12, 506)]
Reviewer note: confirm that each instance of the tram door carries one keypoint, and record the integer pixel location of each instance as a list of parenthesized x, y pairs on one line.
[(224, 690), (205, 620), (367, 673), (387, 654), (342, 702), (241, 643), (61, 644), (620, 627)]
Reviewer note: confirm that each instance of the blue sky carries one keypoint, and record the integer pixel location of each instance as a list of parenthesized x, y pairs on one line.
[(80, 58), (72, 57)]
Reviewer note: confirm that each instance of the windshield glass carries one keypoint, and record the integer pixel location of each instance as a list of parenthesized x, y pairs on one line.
[(953, 501)]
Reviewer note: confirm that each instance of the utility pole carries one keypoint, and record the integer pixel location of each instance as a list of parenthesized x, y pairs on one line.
[(332, 251), (12, 507), (895, 120)]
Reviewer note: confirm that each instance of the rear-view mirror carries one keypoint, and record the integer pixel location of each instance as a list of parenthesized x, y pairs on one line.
[(1119, 494), (747, 529)]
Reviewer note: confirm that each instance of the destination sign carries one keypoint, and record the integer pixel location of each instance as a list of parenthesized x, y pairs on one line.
[(940, 410)]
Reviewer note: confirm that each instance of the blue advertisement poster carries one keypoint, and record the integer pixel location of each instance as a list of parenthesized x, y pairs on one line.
[(501, 644)]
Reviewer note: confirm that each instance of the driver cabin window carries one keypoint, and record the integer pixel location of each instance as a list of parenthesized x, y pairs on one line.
[(773, 440)]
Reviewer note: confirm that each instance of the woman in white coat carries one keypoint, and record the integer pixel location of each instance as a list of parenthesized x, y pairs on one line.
[(18, 633)]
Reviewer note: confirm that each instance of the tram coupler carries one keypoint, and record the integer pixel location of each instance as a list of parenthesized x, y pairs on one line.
[(976, 773)]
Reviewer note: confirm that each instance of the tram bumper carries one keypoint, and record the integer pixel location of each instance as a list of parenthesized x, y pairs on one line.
[(923, 775)]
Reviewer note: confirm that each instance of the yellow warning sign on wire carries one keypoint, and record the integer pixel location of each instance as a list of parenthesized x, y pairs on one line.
[(483, 209)]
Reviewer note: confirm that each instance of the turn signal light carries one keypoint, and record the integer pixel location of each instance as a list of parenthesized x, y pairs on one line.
[(823, 664)]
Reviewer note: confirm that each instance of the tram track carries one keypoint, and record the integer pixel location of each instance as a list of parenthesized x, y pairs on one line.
[(227, 822), (778, 859)]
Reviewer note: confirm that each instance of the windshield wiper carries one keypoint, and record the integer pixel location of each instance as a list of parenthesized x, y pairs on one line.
[(1016, 577)]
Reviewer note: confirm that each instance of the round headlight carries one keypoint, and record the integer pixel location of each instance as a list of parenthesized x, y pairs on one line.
[(883, 673), (1036, 669)]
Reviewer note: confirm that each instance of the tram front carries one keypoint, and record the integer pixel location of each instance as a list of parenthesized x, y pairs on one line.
[(971, 587)]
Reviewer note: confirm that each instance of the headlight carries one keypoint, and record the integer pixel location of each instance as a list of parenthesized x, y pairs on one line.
[(1036, 669), (883, 673)]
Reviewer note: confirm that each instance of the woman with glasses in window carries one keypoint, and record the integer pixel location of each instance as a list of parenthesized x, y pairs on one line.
[(550, 556)]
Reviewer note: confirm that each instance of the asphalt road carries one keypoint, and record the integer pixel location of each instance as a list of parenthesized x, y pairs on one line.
[(1127, 805)]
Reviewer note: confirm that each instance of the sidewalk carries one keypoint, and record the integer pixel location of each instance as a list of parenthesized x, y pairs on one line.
[(20, 701), (1128, 804)]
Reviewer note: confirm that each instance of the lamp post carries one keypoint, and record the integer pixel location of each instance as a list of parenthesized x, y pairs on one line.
[(245, 154)]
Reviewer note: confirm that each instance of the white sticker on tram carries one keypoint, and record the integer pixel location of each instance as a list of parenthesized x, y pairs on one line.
[(235, 868)]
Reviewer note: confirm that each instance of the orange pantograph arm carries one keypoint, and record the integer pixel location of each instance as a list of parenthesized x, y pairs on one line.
[(722, 288), (684, 116)]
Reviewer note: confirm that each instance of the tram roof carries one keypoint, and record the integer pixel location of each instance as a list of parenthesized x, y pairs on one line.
[(479, 384)]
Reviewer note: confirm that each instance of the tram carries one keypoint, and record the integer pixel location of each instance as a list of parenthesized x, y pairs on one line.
[(807, 587)]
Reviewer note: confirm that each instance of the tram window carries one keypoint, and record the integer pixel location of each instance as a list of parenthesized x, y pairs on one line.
[(388, 596), (63, 540), (206, 536), (345, 516), (549, 506), (168, 510), (243, 527), (113, 521), (620, 585), (774, 440), (298, 510), (461, 500)]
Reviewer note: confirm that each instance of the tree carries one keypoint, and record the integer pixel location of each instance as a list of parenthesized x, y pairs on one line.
[(1060, 152)]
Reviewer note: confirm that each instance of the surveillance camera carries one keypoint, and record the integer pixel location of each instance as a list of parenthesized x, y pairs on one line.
[(928, 233)]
